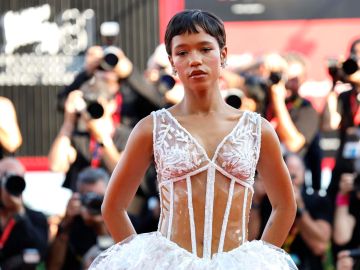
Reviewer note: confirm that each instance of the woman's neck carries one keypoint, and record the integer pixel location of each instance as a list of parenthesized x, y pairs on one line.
[(202, 101)]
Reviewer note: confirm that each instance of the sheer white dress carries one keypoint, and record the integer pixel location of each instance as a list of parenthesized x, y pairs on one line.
[(205, 205)]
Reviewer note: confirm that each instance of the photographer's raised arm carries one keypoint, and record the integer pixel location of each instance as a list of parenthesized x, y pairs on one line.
[(293, 139), (124, 66), (126, 178), (62, 154), (330, 117), (10, 136), (344, 222)]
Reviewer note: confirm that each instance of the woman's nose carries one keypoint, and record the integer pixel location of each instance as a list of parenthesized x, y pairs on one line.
[(195, 59)]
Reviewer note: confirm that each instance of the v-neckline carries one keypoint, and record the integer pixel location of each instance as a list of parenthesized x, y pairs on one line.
[(218, 147)]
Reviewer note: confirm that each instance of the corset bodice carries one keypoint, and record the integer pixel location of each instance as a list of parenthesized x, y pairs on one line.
[(205, 201)]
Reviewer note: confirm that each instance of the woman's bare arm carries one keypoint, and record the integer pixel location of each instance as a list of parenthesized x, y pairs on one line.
[(126, 178), (272, 169)]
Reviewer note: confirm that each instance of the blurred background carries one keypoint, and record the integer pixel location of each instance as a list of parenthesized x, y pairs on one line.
[(44, 46)]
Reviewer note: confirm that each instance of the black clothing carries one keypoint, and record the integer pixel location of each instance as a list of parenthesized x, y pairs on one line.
[(81, 239), (79, 80), (81, 142), (343, 164), (29, 231), (318, 208), (139, 97), (306, 120)]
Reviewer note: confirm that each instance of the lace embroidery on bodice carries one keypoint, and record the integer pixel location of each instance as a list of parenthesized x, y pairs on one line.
[(178, 156)]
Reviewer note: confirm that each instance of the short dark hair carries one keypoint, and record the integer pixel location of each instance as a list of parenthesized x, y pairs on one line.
[(186, 22), (92, 175), (353, 45)]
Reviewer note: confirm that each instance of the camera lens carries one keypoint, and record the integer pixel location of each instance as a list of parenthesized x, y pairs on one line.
[(110, 61), (350, 66), (275, 77), (165, 83), (95, 109), (14, 184), (234, 101), (92, 202)]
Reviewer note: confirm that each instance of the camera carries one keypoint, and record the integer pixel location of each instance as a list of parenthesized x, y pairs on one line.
[(110, 59), (338, 71), (92, 202), (94, 108), (13, 184), (275, 77), (233, 97), (165, 82), (92, 90)]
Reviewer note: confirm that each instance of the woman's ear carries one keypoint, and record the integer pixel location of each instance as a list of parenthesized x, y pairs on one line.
[(171, 61), (172, 65), (223, 55)]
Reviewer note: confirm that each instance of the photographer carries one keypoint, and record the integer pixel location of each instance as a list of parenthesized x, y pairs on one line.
[(10, 136), (136, 97), (294, 118), (311, 232), (82, 226), (89, 135), (348, 110), (23, 232), (347, 212)]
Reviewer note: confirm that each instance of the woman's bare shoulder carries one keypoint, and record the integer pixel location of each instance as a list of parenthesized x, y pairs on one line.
[(144, 127), (267, 129)]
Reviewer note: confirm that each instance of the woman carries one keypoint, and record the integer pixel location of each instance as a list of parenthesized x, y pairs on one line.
[(206, 154)]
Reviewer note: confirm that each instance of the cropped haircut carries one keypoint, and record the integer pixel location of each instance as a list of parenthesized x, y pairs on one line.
[(92, 175), (186, 22), (353, 46)]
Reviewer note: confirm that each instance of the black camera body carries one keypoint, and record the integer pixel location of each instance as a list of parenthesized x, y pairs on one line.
[(340, 70), (13, 184), (92, 202), (110, 59)]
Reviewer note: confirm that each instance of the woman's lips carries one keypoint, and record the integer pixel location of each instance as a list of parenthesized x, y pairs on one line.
[(198, 74)]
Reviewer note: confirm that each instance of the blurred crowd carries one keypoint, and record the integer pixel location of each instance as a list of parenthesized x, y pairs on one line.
[(107, 99)]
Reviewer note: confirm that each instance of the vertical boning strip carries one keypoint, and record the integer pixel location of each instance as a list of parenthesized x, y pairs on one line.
[(171, 210), (226, 215), (191, 216), (244, 215), (209, 211)]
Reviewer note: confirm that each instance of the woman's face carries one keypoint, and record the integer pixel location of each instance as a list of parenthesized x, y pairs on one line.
[(197, 59)]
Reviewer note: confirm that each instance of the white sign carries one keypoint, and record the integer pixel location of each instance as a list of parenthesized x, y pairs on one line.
[(54, 48), (32, 25)]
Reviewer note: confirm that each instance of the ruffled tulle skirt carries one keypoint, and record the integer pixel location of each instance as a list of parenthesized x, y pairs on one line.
[(153, 251)]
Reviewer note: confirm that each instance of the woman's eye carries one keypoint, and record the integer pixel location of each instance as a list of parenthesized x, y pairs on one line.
[(206, 49), (181, 53)]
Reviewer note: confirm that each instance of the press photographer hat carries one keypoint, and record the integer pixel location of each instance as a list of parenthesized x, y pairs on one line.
[(109, 29)]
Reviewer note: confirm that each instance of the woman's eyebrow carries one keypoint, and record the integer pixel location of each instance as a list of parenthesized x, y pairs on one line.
[(201, 43)]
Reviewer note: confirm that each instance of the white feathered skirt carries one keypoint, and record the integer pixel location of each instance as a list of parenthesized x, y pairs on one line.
[(153, 251)]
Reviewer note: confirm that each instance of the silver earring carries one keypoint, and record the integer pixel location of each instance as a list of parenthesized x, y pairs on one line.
[(223, 64), (174, 72)]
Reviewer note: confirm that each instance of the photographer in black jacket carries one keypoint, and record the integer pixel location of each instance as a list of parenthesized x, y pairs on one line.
[(82, 227), (23, 232)]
